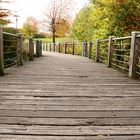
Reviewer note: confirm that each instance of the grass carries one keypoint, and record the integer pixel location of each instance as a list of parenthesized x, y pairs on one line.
[(48, 40)]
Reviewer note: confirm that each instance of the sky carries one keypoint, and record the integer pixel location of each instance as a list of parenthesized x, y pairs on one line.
[(25, 8)]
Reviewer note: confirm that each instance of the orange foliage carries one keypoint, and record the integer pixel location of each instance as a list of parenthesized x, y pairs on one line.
[(120, 1)]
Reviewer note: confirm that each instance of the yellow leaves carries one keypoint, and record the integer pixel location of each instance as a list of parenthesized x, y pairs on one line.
[(62, 28)]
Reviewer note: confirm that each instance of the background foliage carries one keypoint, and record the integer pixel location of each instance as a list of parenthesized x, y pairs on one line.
[(103, 18)]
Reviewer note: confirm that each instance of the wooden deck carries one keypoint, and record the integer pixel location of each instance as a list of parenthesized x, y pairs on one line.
[(65, 97)]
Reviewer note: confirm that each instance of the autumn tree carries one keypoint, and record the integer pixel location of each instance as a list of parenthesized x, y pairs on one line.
[(30, 27), (56, 14), (104, 18), (4, 12), (62, 28)]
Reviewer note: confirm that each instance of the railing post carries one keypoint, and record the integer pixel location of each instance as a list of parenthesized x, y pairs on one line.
[(59, 47), (110, 45), (133, 54), (50, 47), (97, 50), (1, 53), (65, 48), (53, 47), (37, 48), (73, 48), (19, 49), (84, 49), (31, 49), (46, 46), (40, 48), (90, 48)]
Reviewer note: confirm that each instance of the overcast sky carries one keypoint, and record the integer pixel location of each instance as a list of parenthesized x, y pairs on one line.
[(25, 8)]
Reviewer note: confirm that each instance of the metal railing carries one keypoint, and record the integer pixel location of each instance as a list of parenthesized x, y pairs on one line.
[(15, 49), (102, 50), (122, 53), (84, 49), (9, 49)]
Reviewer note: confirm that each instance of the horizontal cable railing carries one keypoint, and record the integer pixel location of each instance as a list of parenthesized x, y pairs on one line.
[(15, 49), (85, 49), (121, 53), (102, 51), (9, 49), (66, 47)]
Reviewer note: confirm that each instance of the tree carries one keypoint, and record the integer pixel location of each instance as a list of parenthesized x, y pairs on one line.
[(57, 12), (30, 27), (125, 17), (82, 27), (4, 12), (62, 28), (104, 18)]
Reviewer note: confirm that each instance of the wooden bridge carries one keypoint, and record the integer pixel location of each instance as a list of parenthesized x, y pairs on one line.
[(65, 97)]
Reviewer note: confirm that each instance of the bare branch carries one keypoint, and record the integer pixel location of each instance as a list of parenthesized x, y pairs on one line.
[(57, 11)]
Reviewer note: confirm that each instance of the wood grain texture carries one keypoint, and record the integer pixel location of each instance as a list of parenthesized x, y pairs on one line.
[(65, 97)]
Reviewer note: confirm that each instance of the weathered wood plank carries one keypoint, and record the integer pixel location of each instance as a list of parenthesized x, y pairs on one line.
[(100, 137), (69, 130), (70, 121), (68, 97), (77, 93), (71, 114), (62, 102), (70, 107)]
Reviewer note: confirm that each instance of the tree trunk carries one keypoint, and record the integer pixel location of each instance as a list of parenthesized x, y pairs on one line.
[(53, 37), (53, 41)]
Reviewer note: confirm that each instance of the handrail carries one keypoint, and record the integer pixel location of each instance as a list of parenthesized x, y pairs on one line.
[(103, 40), (10, 34), (122, 38)]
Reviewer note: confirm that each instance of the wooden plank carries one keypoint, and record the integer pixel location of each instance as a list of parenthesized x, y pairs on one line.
[(70, 121), (71, 114), (77, 93), (69, 130), (51, 99), (71, 102), (5, 97), (70, 107), (84, 94), (99, 137)]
